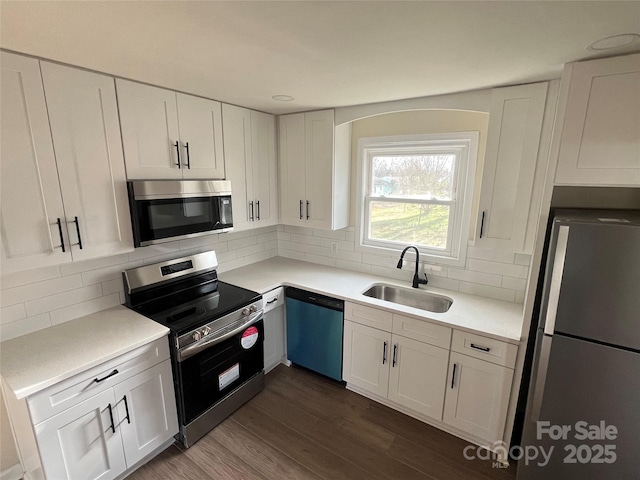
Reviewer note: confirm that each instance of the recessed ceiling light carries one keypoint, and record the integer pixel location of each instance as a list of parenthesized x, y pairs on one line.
[(282, 98), (613, 41)]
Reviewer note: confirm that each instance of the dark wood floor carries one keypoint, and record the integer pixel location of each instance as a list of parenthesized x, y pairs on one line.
[(305, 427)]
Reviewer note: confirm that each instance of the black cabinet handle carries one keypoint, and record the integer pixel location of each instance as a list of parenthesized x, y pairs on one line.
[(75, 220), (482, 224), (113, 425), (272, 301), (478, 347), (258, 209), (98, 380), (453, 377), (186, 147), (251, 210), (384, 353), (177, 145), (395, 351), (300, 209), (126, 408), (307, 209), (60, 233)]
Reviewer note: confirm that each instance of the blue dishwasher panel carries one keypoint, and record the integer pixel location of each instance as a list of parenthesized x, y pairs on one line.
[(314, 337)]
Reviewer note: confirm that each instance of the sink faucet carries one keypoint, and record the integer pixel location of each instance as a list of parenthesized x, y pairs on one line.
[(416, 279)]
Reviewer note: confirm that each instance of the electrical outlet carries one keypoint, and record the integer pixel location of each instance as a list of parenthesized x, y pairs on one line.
[(334, 247)]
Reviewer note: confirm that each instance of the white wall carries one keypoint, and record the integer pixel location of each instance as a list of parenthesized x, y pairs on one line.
[(36, 299)]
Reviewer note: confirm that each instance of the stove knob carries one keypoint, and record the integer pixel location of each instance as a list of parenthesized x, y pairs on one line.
[(205, 331), (253, 308), (197, 336), (245, 311)]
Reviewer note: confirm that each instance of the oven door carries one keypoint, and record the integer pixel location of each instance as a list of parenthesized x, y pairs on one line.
[(216, 371), (166, 219)]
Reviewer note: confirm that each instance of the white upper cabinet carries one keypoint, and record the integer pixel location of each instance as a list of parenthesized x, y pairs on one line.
[(250, 157), (314, 170), (515, 162), (86, 135), (31, 199), (200, 122), (168, 135), (63, 182), (600, 134)]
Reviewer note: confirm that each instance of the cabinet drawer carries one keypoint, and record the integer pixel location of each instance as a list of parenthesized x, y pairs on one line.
[(71, 391), (373, 317), (422, 331), (273, 299), (484, 348)]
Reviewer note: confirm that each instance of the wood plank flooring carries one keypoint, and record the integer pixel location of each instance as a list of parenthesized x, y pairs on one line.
[(303, 426)]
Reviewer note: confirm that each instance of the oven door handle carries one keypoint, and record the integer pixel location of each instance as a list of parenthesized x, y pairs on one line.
[(214, 340)]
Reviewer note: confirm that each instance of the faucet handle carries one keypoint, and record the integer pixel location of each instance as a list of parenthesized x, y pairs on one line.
[(425, 281)]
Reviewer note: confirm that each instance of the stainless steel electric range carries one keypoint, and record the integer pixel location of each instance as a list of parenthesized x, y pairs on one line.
[(216, 338)]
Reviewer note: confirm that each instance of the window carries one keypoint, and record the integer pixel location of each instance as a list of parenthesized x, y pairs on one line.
[(416, 190)]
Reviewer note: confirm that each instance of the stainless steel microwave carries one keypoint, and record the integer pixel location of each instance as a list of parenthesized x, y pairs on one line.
[(168, 210)]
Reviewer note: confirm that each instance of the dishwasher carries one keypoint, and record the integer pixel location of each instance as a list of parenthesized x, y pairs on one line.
[(315, 326)]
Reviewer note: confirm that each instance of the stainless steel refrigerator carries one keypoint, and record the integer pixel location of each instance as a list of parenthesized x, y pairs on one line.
[(584, 395)]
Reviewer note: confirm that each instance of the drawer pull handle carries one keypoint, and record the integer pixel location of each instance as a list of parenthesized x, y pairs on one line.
[(384, 353), (177, 145), (275, 299), (60, 233), (453, 377), (113, 425), (186, 146), (479, 347), (258, 209), (126, 408), (300, 209), (98, 380), (395, 351)]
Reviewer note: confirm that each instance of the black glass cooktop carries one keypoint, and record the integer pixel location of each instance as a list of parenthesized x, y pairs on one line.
[(184, 310)]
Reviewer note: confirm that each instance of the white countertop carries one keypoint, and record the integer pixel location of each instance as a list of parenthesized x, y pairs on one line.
[(492, 318), (40, 359)]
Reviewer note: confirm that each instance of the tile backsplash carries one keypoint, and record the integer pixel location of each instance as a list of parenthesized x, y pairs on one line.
[(488, 273), (36, 299)]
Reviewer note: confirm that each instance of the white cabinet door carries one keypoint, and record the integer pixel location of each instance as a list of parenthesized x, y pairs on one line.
[(80, 443), (477, 397), (513, 143), (146, 408), (150, 133), (264, 168), (83, 114), (600, 142), (200, 122), (292, 169), (273, 338), (237, 153), (31, 201), (319, 173), (366, 357), (418, 376)]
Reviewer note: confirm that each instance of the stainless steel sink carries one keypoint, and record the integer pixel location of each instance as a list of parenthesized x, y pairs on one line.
[(410, 297)]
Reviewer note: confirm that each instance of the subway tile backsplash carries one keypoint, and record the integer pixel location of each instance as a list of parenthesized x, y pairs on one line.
[(36, 299)]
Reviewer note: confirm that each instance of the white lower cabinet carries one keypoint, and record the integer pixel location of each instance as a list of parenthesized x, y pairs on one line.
[(455, 380), (80, 443), (418, 376), (100, 422), (273, 328), (477, 397), (405, 371)]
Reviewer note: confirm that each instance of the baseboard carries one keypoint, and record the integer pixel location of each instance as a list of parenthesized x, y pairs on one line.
[(12, 473)]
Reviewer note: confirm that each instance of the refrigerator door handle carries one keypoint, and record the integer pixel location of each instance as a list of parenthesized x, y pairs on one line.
[(556, 279), (539, 377)]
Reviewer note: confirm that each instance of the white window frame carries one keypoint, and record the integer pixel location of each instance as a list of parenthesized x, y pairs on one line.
[(465, 147)]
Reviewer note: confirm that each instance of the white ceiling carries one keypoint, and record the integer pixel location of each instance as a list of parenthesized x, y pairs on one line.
[(325, 54)]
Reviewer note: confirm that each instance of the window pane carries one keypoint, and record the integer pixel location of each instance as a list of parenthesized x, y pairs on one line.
[(410, 223), (423, 176)]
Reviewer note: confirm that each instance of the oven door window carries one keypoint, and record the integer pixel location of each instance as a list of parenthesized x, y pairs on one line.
[(212, 374), (164, 218)]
